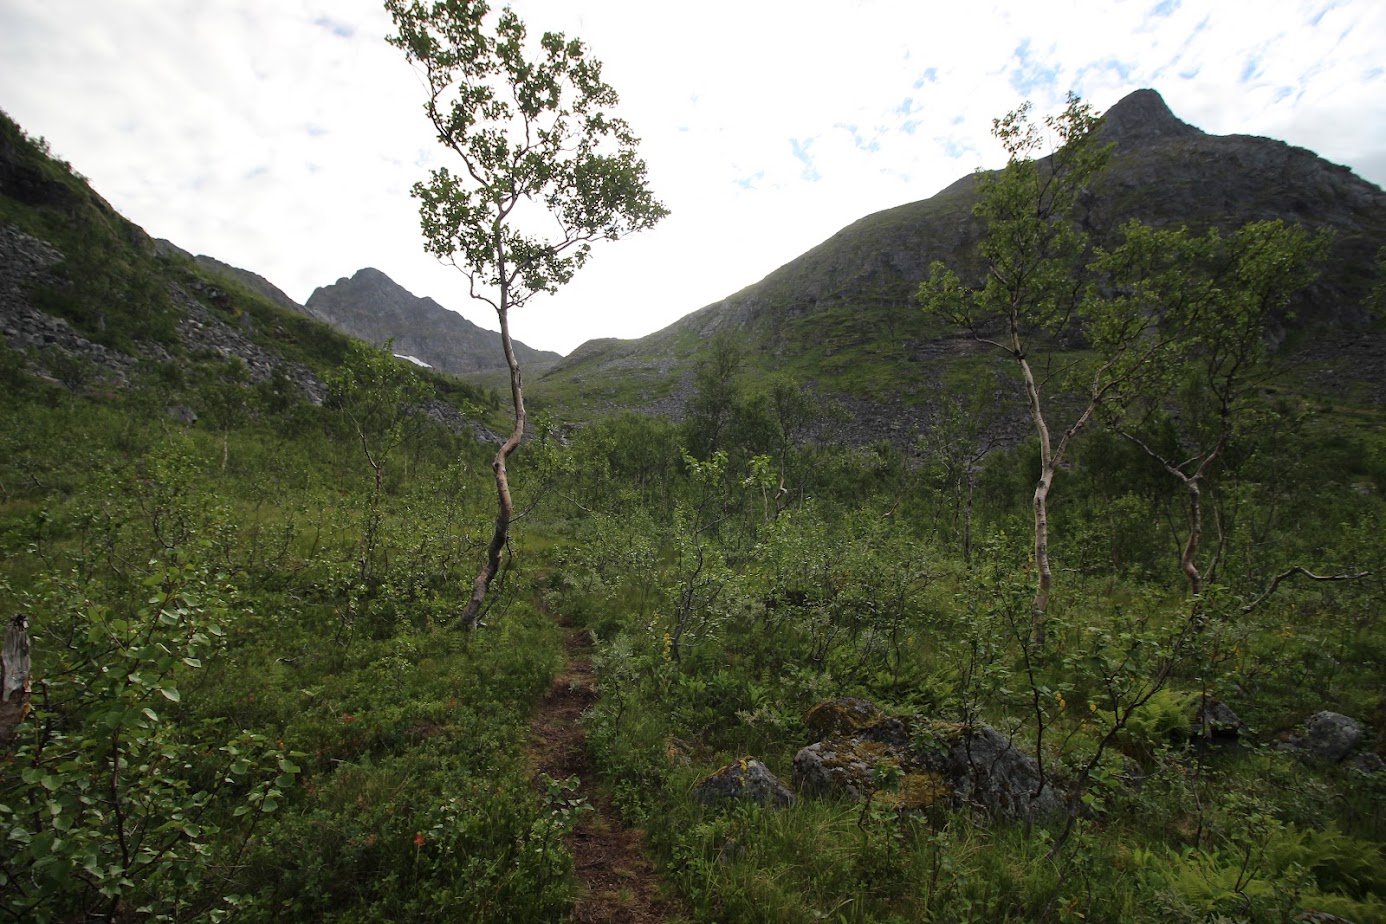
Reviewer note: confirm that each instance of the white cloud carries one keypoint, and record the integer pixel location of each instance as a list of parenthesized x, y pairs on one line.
[(284, 136)]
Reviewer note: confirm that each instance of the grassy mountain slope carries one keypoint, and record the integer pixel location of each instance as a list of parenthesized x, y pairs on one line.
[(97, 304), (843, 317)]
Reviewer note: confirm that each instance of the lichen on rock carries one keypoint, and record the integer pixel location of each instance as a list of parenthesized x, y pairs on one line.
[(743, 780)]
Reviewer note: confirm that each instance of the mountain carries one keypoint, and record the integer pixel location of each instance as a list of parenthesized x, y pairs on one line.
[(91, 302), (842, 316), (374, 308), (252, 281)]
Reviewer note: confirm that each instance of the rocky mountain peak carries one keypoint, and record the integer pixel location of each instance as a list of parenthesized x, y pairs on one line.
[(372, 306), (1142, 117)]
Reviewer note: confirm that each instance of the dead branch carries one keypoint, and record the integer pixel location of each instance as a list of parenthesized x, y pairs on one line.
[(1291, 572)]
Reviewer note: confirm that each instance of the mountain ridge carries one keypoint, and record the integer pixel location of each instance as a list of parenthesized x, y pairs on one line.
[(373, 307), (850, 299)]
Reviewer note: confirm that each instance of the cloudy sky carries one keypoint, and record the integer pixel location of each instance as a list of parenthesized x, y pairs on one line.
[(283, 135)]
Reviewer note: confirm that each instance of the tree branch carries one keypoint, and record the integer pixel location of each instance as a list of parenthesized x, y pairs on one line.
[(1299, 569)]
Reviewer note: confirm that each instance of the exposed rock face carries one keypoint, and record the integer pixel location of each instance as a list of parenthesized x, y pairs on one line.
[(24, 259), (201, 329), (374, 308), (1141, 118), (745, 780)]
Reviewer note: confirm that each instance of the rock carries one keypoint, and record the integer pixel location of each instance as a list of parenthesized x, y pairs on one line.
[(1330, 736), (977, 765), (849, 716), (181, 413), (1366, 763), (373, 307), (988, 770), (1214, 719), (746, 779), (844, 766)]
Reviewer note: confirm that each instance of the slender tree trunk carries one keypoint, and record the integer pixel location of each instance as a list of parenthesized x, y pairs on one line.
[(14, 680), (967, 517), (500, 536), (1188, 557), (1040, 607), (1188, 561)]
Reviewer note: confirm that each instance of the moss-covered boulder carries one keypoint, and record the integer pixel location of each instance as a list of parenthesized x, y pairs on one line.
[(853, 717), (744, 780), (846, 766), (864, 752)]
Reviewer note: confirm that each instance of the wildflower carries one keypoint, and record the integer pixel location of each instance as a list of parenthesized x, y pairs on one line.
[(418, 840)]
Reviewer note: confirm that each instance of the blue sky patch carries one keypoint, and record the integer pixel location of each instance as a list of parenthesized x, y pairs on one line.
[(952, 148), (859, 141), (1327, 8), (339, 29), (801, 154), (749, 182), (1251, 68), (1031, 74), (929, 76)]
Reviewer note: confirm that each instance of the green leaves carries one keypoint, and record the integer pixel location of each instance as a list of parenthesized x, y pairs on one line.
[(112, 803), (532, 128)]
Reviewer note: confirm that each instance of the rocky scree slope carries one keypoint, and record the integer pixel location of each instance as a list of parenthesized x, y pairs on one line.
[(103, 340)]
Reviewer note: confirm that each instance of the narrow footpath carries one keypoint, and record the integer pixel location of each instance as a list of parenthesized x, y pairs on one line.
[(617, 881)]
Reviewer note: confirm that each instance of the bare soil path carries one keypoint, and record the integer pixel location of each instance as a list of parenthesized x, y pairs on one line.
[(617, 881)]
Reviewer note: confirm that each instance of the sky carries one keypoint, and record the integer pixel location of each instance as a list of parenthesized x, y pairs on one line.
[(283, 136)]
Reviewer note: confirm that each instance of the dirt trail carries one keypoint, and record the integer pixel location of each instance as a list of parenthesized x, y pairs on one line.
[(617, 882)]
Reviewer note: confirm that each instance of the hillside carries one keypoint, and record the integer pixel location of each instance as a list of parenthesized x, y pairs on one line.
[(91, 301), (842, 316)]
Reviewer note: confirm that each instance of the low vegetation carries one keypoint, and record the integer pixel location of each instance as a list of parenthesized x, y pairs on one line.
[(249, 702)]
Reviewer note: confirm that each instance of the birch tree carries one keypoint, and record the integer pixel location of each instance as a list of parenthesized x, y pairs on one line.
[(545, 170), (1214, 295), (1032, 254), (1039, 288)]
